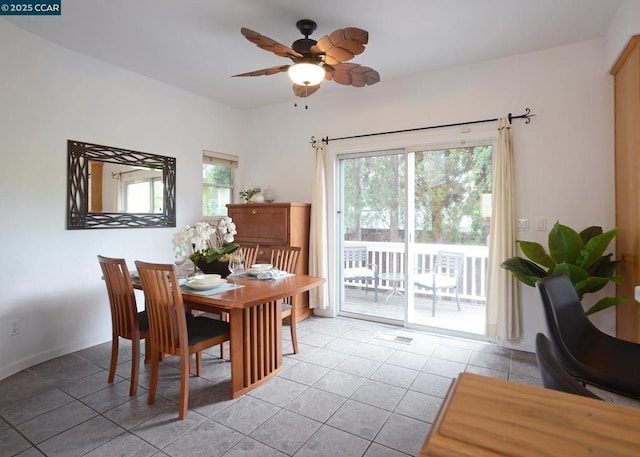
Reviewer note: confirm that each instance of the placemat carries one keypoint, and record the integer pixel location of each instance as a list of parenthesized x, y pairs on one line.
[(279, 275)]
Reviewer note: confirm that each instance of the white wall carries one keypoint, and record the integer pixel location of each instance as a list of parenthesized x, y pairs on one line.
[(49, 276), (564, 157), (624, 25)]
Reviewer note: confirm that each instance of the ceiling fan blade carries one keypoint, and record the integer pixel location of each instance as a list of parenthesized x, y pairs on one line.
[(341, 45), (266, 71), (269, 44), (353, 74), (305, 91)]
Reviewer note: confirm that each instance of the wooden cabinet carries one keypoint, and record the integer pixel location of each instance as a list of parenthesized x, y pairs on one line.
[(276, 224), (626, 74)]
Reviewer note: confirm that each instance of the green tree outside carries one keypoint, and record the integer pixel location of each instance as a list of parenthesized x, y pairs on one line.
[(449, 184)]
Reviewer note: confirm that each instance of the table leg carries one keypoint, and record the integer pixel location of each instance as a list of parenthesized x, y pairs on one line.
[(394, 291), (256, 346)]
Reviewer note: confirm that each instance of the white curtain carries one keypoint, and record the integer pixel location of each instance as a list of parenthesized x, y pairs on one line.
[(504, 317), (318, 236)]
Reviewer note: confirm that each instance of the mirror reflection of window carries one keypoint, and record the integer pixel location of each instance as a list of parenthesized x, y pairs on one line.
[(117, 188), (142, 194)]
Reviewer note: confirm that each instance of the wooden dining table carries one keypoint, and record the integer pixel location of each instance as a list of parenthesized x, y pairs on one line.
[(490, 417), (255, 317)]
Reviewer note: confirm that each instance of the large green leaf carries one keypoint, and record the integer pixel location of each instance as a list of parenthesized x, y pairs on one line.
[(589, 233), (595, 247), (536, 253), (576, 274), (590, 285), (603, 267), (605, 303), (524, 270), (565, 244)]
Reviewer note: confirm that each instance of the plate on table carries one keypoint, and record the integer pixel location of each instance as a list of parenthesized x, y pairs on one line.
[(258, 268), (256, 272), (205, 284)]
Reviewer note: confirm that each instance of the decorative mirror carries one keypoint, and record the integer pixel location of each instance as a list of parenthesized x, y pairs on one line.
[(110, 187)]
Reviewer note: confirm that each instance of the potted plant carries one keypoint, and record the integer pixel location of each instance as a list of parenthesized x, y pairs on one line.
[(208, 246), (580, 256), (248, 193)]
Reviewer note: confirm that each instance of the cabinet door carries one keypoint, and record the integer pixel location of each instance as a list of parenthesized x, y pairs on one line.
[(264, 225), (627, 137)]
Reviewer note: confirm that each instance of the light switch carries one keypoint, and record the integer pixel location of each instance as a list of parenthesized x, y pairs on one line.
[(522, 225), (542, 225)]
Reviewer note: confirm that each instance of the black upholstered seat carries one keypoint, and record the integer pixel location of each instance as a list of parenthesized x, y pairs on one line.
[(589, 354), (554, 376)]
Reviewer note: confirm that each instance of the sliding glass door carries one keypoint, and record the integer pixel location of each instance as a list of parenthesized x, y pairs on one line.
[(450, 190), (372, 210), (399, 209)]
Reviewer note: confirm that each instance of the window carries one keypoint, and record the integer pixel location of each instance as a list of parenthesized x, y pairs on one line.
[(143, 196), (218, 180), (141, 189)]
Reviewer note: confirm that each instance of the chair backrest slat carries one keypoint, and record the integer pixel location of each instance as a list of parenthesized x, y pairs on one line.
[(356, 254), (449, 263), (165, 308), (122, 300), (250, 254), (285, 258)]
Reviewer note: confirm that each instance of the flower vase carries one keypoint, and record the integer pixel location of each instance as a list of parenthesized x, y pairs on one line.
[(215, 267)]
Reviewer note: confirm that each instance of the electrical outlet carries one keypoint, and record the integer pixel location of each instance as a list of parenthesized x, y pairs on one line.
[(13, 327)]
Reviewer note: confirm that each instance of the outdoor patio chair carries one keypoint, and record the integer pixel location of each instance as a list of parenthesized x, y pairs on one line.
[(358, 268), (446, 274)]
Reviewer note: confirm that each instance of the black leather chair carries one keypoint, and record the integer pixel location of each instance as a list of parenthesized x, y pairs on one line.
[(554, 376), (591, 356)]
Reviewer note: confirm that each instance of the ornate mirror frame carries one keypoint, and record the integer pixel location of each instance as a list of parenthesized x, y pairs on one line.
[(78, 216)]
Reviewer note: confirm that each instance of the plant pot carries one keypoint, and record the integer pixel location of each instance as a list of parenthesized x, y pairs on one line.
[(215, 267)]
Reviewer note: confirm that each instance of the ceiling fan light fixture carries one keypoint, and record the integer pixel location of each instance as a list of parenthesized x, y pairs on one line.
[(306, 74)]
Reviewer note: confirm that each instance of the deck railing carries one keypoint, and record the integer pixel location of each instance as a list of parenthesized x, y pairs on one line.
[(389, 258)]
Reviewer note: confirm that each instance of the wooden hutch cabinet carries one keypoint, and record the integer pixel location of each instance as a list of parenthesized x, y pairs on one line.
[(276, 224)]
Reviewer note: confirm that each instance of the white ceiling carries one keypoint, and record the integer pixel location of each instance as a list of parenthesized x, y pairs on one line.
[(196, 44)]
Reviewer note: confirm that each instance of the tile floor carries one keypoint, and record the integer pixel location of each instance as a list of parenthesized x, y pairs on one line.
[(347, 393)]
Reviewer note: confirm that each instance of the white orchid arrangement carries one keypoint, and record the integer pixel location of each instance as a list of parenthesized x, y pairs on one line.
[(207, 242)]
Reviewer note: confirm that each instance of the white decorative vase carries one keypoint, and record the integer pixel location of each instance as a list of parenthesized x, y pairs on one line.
[(257, 198), (269, 195)]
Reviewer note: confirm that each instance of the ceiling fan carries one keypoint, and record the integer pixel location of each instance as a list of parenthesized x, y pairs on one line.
[(314, 61)]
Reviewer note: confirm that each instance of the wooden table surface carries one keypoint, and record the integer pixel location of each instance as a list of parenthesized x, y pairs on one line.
[(254, 293), (484, 416)]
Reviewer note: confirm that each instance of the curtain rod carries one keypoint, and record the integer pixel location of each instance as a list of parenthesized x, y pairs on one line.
[(527, 115)]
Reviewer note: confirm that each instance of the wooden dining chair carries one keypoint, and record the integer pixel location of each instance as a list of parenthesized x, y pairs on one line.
[(250, 254), (285, 258), (171, 331), (126, 321)]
